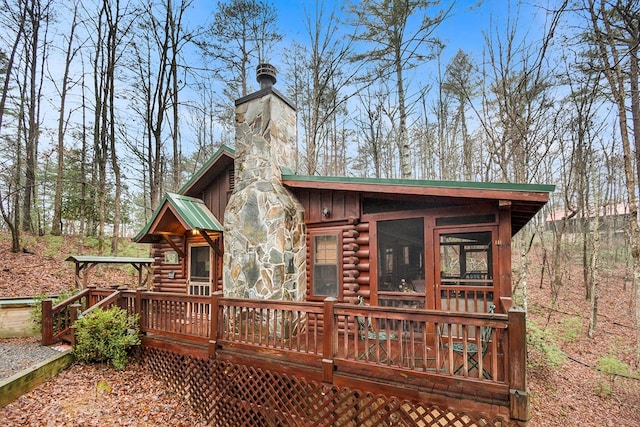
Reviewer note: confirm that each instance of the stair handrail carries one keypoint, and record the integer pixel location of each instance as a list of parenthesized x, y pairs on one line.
[(50, 312), (103, 303)]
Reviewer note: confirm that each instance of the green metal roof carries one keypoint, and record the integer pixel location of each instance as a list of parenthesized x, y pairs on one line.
[(289, 175), (108, 259), (191, 212), (214, 158)]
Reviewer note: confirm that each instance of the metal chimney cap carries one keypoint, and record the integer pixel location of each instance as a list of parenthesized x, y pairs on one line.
[(266, 75)]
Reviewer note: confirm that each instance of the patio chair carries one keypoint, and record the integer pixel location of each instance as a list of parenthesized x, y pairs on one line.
[(373, 341), (473, 357)]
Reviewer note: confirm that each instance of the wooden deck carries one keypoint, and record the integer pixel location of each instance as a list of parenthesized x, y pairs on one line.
[(407, 352)]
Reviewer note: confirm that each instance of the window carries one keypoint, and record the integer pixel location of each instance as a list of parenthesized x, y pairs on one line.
[(200, 270), (325, 265)]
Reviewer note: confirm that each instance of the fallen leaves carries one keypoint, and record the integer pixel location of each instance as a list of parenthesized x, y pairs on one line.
[(98, 395)]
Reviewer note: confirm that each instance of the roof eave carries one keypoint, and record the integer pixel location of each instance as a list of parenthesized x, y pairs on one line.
[(223, 152)]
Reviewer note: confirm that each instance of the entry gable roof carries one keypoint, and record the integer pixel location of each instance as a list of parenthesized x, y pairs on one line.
[(177, 214)]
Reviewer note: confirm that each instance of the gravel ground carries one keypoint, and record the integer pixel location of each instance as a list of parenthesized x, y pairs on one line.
[(21, 353)]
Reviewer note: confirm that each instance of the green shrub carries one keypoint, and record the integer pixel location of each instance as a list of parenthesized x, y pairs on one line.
[(543, 341), (54, 245), (610, 367), (570, 329), (105, 336)]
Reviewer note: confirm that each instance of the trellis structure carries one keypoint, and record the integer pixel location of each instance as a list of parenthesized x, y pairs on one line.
[(229, 394), (85, 263)]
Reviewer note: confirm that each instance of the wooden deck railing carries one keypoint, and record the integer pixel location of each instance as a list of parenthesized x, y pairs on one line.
[(423, 341), (292, 330), (58, 320), (474, 352)]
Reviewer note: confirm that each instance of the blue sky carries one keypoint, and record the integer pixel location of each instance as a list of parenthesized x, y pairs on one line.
[(465, 29)]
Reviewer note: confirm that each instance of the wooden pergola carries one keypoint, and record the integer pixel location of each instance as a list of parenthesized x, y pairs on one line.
[(84, 264)]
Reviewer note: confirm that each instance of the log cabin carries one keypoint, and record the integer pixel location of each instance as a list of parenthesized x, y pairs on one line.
[(288, 299)]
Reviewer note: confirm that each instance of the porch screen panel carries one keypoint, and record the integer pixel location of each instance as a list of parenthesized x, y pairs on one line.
[(325, 265), (466, 271), (200, 270), (401, 255)]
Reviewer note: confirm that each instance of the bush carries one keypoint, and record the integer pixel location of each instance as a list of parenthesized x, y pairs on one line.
[(105, 336), (571, 328), (543, 341), (610, 367)]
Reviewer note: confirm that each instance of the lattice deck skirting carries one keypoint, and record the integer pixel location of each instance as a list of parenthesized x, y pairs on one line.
[(230, 395)]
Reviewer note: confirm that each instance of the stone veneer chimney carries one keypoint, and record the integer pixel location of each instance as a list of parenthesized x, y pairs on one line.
[(264, 234)]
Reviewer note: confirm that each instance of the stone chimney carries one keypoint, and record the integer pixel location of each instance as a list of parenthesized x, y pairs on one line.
[(264, 236)]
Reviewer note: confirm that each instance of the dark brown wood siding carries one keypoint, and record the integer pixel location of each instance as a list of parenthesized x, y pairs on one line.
[(341, 205), (216, 195)]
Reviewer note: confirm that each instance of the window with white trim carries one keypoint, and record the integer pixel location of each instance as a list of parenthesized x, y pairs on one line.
[(325, 265)]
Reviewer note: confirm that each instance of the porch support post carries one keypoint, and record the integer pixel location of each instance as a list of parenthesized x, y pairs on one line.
[(213, 333), (47, 321), (92, 299), (518, 393), (329, 344)]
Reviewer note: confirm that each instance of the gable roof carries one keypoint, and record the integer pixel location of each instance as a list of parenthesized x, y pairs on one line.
[(175, 215), (218, 162)]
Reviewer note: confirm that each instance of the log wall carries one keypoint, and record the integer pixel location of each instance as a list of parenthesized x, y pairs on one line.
[(161, 271)]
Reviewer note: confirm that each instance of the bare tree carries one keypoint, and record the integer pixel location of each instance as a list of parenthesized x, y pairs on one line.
[(38, 16), (63, 121), (615, 35), (156, 62), (394, 47), (110, 29), (324, 75), (370, 124), (15, 20), (515, 115)]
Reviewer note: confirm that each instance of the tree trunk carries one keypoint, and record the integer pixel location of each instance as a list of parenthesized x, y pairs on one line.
[(612, 70), (594, 279), (56, 222)]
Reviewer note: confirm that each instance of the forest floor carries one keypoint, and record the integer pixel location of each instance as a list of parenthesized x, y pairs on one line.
[(579, 392), (572, 393)]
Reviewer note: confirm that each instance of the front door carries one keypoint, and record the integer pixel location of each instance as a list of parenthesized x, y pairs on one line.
[(201, 270)]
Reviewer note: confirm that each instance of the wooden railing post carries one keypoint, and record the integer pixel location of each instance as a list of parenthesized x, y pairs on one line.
[(91, 298), (137, 306), (213, 333), (47, 321), (518, 393), (73, 316), (122, 302), (329, 344)]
